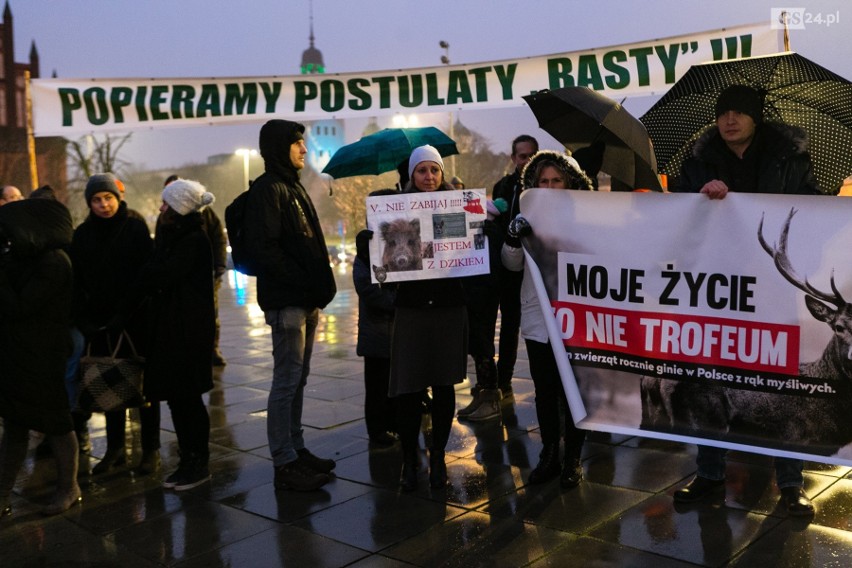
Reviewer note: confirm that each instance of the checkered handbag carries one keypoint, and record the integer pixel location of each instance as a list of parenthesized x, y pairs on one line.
[(109, 383)]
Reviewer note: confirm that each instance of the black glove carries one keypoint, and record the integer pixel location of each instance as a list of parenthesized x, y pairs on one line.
[(518, 227)]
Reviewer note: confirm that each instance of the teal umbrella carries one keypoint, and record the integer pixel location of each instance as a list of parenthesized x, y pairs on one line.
[(383, 151)]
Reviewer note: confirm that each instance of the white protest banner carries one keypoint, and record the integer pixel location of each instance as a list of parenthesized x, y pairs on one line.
[(436, 234), (67, 107), (715, 322)]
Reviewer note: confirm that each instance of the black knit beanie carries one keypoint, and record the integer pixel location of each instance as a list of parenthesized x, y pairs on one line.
[(740, 98), (101, 182)]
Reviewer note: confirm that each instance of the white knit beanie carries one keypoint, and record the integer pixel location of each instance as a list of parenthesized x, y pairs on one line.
[(424, 154), (186, 196)]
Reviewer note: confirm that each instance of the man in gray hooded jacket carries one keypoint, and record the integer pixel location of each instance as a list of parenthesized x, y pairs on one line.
[(294, 281)]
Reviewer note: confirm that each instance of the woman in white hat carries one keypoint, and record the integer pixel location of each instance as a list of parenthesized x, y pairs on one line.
[(429, 344), (179, 283)]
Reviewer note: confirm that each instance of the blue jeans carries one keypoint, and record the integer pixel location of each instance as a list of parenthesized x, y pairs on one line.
[(72, 367), (711, 465), (293, 331)]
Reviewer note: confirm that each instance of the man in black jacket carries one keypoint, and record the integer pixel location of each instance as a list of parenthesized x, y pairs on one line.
[(509, 283), (294, 281), (743, 154)]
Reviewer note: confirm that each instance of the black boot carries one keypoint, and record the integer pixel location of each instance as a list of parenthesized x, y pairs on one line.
[(195, 471), (320, 465), (437, 469), (548, 464), (699, 488), (572, 472), (150, 462), (408, 482), (298, 477), (797, 502), (112, 458)]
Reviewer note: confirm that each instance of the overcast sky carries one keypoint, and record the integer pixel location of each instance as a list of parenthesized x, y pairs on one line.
[(224, 38)]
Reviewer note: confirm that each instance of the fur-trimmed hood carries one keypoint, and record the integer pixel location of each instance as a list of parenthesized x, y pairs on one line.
[(785, 139), (577, 178)]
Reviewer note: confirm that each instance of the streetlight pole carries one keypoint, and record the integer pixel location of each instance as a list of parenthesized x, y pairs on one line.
[(445, 59), (246, 154)]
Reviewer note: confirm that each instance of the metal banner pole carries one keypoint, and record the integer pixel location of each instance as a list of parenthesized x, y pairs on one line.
[(31, 150)]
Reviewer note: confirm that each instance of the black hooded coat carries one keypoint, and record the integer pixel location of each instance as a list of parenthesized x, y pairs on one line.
[(283, 231), (35, 314), (178, 282)]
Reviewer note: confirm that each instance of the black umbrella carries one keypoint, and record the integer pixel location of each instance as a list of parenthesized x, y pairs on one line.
[(579, 117), (796, 91)]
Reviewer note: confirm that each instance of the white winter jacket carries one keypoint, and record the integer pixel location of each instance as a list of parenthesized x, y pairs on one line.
[(532, 320)]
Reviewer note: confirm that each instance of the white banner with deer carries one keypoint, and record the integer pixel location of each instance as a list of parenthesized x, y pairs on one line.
[(715, 322)]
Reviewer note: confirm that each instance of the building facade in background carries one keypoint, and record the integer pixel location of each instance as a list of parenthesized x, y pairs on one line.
[(14, 159), (325, 137)]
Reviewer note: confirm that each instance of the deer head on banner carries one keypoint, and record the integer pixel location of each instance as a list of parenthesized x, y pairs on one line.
[(830, 308), (792, 419)]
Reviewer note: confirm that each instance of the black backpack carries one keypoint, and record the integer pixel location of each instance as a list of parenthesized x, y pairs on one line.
[(235, 214)]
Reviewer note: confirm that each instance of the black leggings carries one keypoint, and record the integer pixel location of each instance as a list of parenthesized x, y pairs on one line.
[(149, 427), (409, 415), (550, 400), (192, 426), (378, 408)]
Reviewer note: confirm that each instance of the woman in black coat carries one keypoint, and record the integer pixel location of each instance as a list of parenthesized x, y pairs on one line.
[(35, 318), (428, 345), (179, 285), (108, 250)]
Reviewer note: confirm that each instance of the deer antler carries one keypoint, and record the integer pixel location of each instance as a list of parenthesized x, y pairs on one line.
[(782, 263)]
